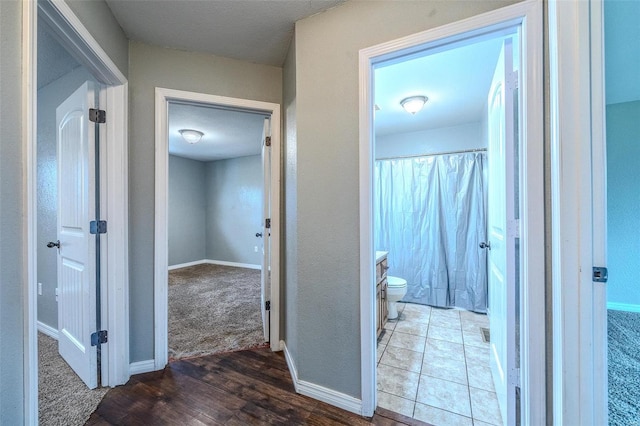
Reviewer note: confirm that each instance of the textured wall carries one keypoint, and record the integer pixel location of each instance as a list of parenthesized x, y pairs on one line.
[(326, 174), (432, 141), (152, 67), (11, 216), (187, 210), (234, 209), (289, 244), (102, 25), (623, 204), (49, 97)]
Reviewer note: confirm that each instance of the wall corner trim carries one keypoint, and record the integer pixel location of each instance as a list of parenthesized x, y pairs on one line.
[(48, 330), (140, 367), (330, 396)]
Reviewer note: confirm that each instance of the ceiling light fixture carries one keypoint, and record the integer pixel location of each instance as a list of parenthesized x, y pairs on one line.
[(191, 136), (413, 104)]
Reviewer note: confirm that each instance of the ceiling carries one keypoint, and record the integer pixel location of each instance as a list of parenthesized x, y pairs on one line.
[(456, 81), (248, 30), (227, 133)]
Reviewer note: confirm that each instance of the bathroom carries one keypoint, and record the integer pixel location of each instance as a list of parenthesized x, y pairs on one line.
[(433, 121)]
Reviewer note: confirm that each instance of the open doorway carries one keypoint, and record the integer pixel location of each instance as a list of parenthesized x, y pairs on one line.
[(241, 219), (215, 229), (622, 109), (512, 244), (432, 195), (75, 269)]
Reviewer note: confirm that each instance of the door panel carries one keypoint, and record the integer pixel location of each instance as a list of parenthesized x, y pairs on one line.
[(265, 279), (76, 255), (502, 228)]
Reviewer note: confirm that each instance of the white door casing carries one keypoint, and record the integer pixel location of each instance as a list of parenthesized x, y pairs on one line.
[(526, 18), (163, 97), (265, 275), (77, 250), (502, 230)]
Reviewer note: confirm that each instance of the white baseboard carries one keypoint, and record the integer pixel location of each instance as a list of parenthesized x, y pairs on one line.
[(235, 264), (215, 262), (48, 330), (186, 265), (623, 307), (330, 396), (140, 367)]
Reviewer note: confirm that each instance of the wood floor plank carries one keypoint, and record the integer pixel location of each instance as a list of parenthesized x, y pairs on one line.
[(251, 387)]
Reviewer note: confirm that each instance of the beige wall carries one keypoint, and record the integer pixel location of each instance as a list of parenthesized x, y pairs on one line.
[(151, 67), (324, 175)]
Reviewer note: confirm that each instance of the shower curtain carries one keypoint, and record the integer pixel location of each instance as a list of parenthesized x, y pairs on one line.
[(430, 215)]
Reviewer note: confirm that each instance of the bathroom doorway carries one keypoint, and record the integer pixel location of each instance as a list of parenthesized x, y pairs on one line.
[(218, 234), (443, 360)]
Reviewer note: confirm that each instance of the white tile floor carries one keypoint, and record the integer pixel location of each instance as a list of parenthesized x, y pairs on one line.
[(434, 366)]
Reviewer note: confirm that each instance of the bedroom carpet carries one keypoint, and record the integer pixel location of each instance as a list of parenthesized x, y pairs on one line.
[(63, 399), (212, 309), (624, 367)]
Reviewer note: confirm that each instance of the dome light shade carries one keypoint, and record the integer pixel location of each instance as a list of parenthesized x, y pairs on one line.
[(413, 104), (191, 136)]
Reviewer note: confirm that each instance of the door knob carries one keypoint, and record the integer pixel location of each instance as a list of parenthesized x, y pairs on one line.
[(51, 244), (486, 245), (258, 234)]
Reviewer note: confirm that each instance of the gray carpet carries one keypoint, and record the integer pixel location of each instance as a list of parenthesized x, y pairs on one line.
[(624, 367), (212, 309), (63, 399)]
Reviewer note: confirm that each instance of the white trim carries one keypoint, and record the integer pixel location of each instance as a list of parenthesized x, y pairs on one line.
[(162, 98), (74, 35), (623, 307), (140, 367), (29, 135), (292, 366), (187, 264), (48, 330), (321, 393), (529, 15), (214, 262), (578, 211), (234, 264)]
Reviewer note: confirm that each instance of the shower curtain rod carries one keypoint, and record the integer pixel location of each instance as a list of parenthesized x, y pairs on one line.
[(434, 154)]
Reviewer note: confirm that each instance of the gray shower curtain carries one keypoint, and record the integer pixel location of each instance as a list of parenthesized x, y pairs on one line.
[(430, 215)]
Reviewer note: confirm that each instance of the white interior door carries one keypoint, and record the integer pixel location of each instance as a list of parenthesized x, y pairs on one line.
[(266, 228), (502, 232), (76, 251)]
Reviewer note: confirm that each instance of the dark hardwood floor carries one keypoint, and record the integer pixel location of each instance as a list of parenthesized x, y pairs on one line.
[(251, 387)]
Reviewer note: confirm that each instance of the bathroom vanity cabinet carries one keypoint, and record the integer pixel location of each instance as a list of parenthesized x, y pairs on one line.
[(382, 310)]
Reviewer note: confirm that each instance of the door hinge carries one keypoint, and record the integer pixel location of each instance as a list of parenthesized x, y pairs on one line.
[(267, 223), (600, 274), (267, 305), (267, 141), (98, 227), (99, 337), (97, 115)]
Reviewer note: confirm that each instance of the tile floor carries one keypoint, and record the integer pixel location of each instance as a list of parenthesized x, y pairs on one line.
[(434, 366)]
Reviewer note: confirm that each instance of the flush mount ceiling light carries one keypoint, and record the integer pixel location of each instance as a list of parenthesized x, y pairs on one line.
[(191, 136), (413, 104)]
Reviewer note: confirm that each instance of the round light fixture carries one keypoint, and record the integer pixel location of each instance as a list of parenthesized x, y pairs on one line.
[(191, 136), (413, 104)]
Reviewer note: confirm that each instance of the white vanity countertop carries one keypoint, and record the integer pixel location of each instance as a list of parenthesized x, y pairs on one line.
[(381, 255)]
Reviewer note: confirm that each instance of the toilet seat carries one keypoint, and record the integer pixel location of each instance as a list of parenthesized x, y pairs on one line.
[(395, 282)]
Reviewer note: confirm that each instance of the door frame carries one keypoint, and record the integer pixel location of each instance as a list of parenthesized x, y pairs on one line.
[(161, 259), (115, 290), (578, 210), (528, 16)]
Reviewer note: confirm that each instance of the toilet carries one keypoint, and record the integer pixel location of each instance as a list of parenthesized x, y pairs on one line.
[(396, 289)]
